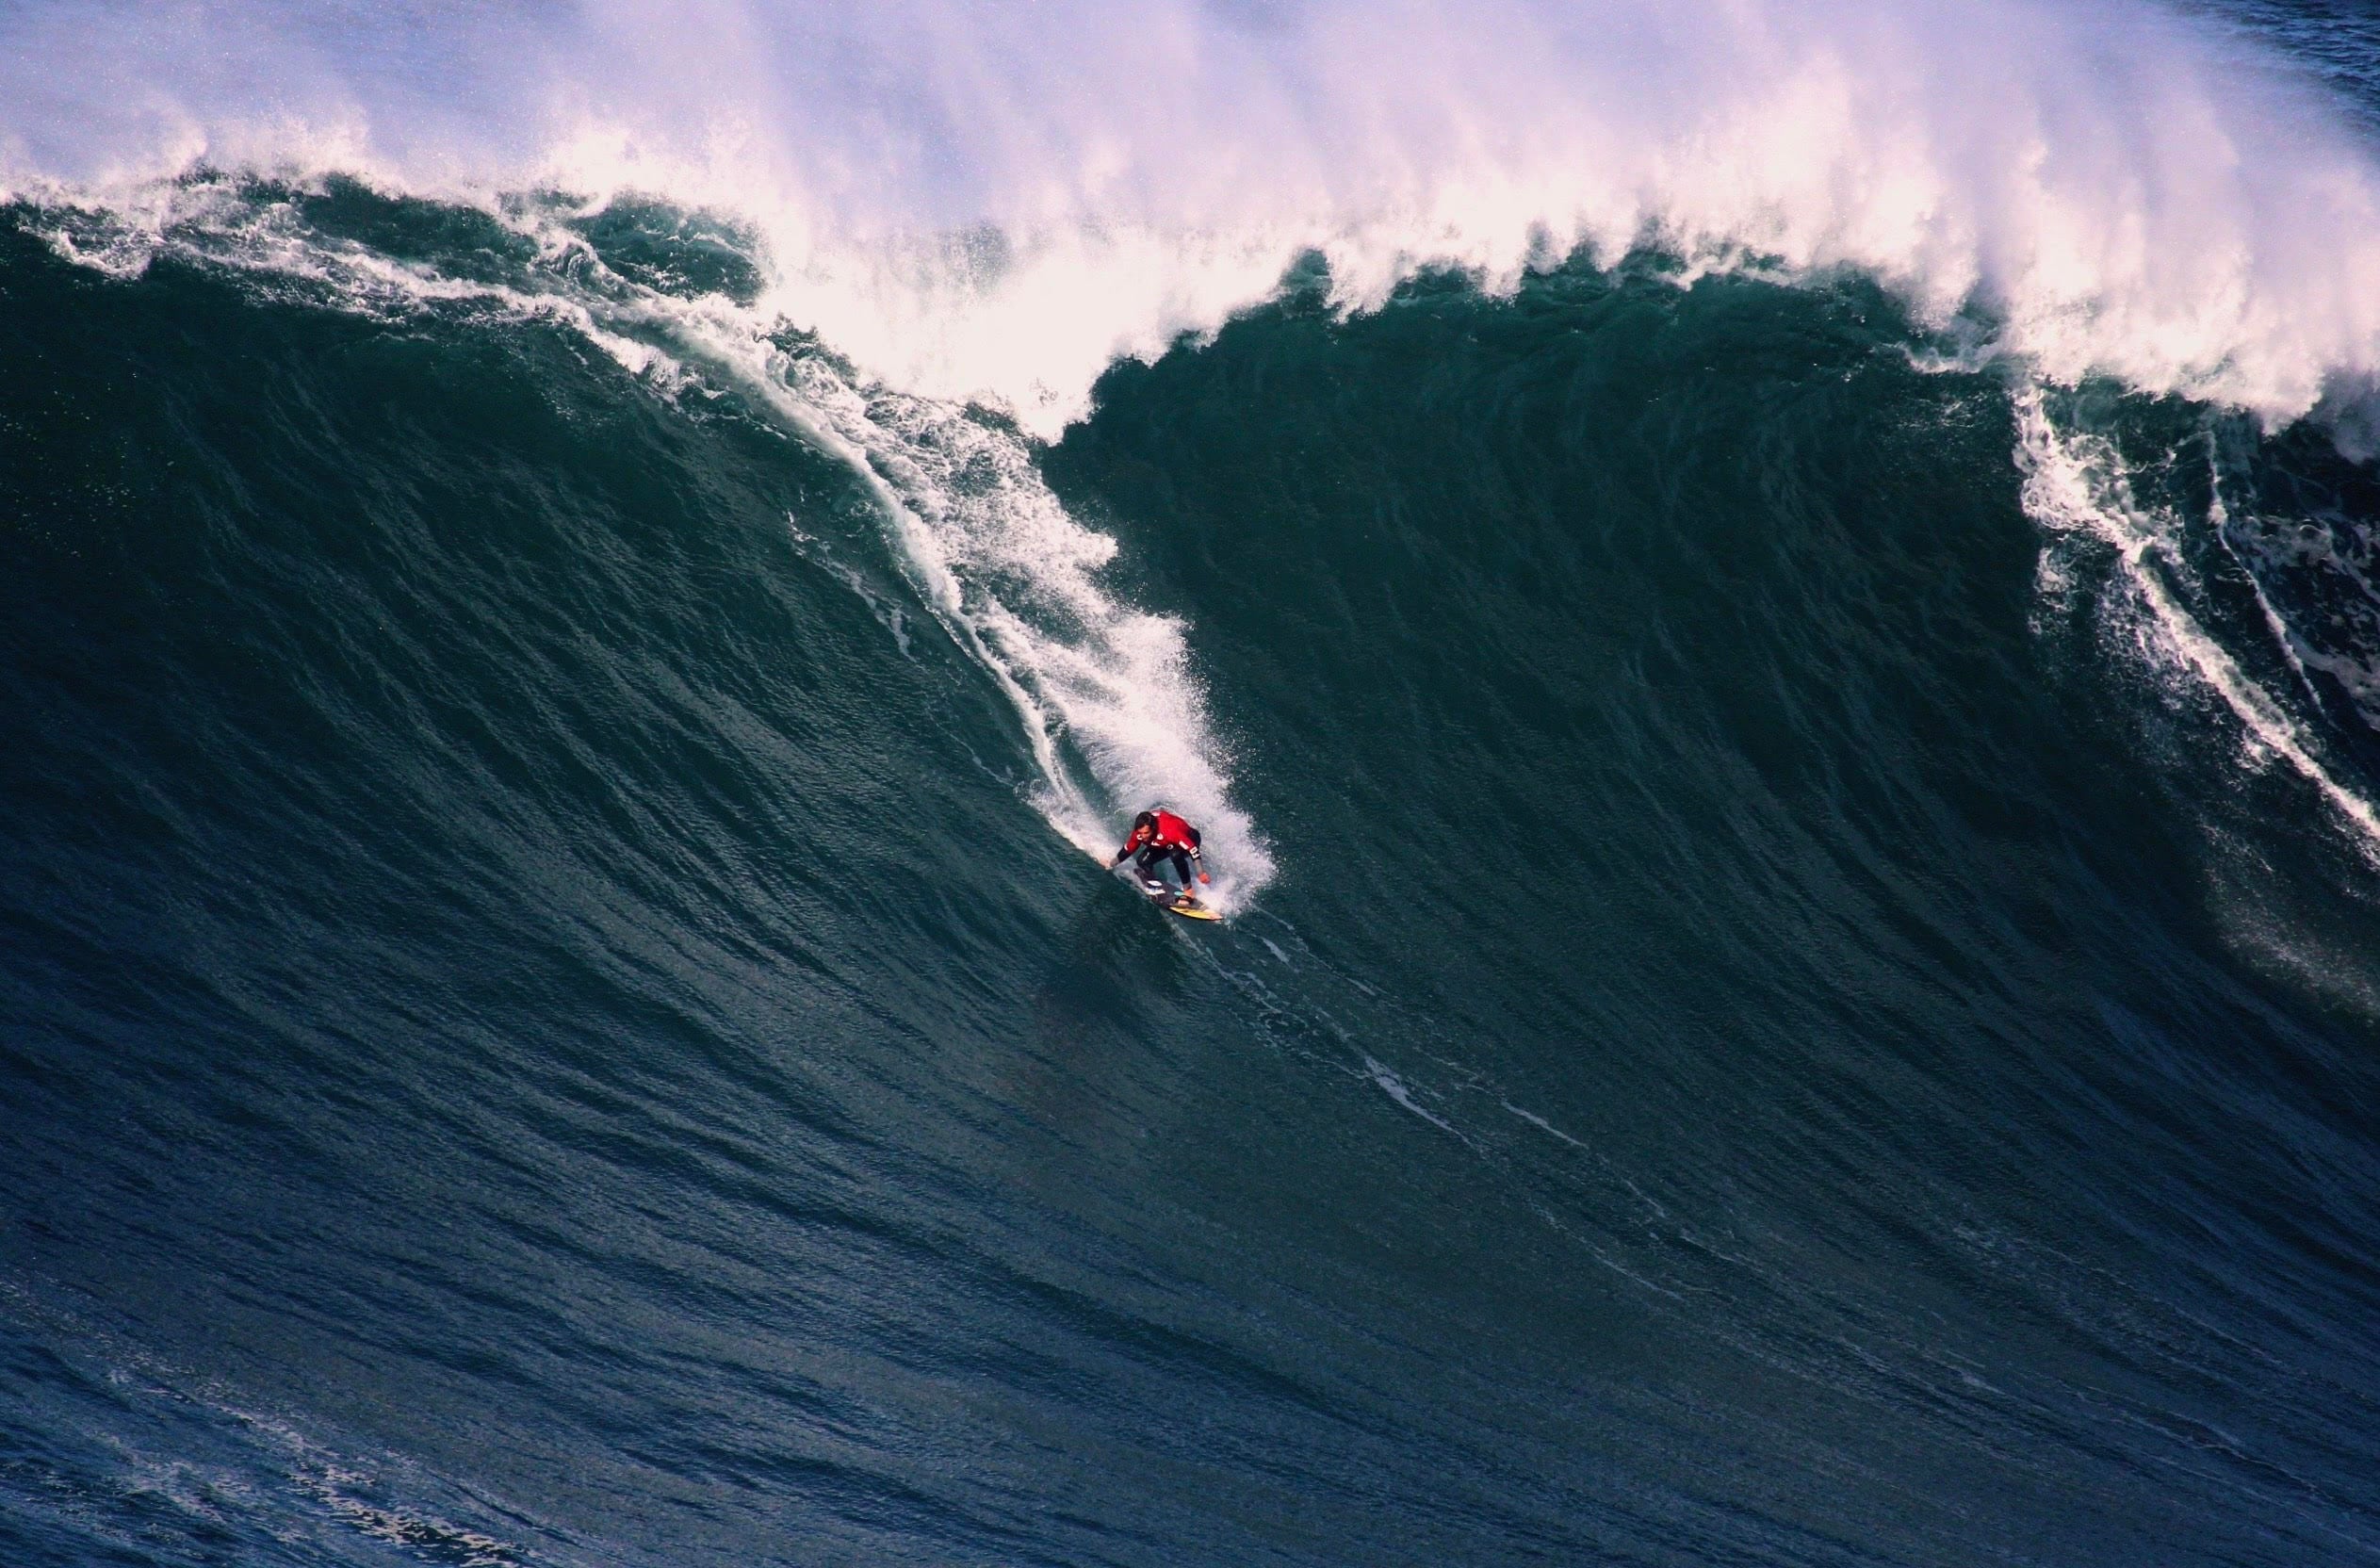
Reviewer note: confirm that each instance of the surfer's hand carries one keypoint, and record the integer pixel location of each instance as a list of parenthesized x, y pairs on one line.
[(1205, 880)]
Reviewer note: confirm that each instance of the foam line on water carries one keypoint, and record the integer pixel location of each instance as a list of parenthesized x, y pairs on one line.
[(2356, 675), (2076, 482)]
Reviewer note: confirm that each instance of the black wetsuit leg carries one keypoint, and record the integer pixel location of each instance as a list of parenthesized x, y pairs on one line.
[(1155, 856)]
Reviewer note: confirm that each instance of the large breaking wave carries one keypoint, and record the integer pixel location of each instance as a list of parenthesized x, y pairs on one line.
[(1762, 603), (965, 207)]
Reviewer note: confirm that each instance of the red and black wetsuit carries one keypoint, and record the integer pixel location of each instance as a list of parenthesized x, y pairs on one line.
[(1157, 837)]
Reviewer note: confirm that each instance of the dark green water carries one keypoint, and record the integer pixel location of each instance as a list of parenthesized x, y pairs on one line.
[(1769, 1015)]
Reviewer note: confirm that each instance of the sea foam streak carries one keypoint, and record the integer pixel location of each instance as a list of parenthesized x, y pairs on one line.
[(2077, 484)]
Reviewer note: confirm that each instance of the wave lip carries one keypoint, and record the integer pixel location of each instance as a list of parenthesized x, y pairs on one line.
[(996, 206)]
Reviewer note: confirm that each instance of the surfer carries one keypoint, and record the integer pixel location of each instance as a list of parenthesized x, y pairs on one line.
[(1158, 836)]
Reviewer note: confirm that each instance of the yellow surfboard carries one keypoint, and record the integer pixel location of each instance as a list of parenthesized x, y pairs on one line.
[(1182, 904)]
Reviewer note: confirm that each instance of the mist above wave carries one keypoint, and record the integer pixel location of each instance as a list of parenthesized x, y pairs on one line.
[(996, 203)]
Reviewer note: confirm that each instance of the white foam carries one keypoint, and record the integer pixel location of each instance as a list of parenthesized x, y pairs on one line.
[(2077, 484), (996, 201), (1015, 578), (1393, 1086)]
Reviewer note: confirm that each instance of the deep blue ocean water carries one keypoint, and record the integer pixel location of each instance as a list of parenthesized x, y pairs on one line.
[(1804, 979)]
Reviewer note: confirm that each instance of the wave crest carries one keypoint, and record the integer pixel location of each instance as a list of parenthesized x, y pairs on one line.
[(996, 205)]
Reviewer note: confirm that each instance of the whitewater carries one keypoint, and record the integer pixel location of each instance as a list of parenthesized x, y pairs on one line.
[(973, 204)]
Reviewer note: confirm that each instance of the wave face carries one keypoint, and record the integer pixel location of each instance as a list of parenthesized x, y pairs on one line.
[(1771, 613)]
